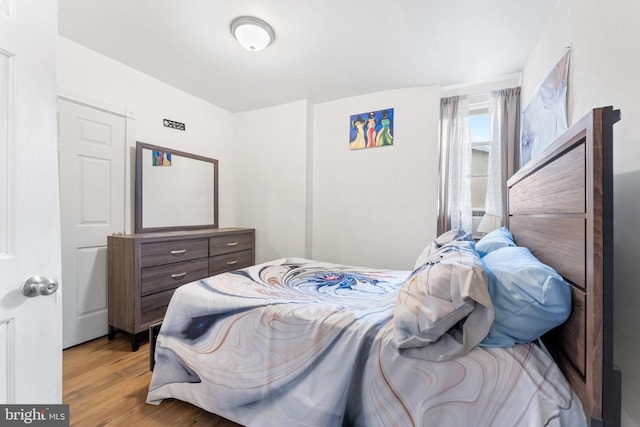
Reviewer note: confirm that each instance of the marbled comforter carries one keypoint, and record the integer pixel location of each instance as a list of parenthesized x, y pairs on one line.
[(296, 342)]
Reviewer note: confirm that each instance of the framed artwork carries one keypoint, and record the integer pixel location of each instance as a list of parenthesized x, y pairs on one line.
[(371, 129), (160, 158), (547, 110)]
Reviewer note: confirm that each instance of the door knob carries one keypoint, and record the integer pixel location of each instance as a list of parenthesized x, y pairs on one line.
[(38, 285)]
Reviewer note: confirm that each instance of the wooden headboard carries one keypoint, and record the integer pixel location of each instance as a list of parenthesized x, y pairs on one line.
[(561, 207)]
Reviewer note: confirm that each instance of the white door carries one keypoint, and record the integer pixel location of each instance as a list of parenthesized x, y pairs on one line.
[(30, 328), (92, 151)]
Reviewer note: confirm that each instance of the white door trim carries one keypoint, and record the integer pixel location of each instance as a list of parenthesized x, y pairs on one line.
[(69, 95)]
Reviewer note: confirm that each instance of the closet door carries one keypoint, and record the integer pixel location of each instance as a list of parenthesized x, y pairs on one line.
[(92, 144)]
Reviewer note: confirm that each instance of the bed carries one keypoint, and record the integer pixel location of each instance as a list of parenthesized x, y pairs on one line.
[(303, 342)]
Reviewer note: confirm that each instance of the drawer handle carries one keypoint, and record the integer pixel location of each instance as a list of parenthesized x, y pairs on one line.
[(232, 244), (180, 252), (178, 275), (235, 261)]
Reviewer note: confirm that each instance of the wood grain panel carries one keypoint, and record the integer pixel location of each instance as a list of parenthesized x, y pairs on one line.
[(130, 255), (228, 262), (158, 253), (556, 241), (230, 243), (153, 307), (557, 188), (571, 338), (579, 160), (122, 279), (575, 378), (169, 276)]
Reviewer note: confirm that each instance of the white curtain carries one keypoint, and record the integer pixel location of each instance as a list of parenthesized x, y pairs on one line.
[(455, 165), (504, 108)]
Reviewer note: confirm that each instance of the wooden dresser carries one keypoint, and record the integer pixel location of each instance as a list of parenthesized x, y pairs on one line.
[(145, 269)]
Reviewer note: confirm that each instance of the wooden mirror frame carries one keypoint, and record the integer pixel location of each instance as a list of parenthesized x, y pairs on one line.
[(139, 188)]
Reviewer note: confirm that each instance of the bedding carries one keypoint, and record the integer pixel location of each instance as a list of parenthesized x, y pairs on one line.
[(450, 236), (529, 297), (444, 308), (493, 240), (296, 342)]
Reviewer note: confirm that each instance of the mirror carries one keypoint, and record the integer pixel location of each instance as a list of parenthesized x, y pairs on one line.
[(174, 190)]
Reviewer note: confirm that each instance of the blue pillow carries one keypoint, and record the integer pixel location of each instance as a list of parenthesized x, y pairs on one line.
[(529, 297), (496, 239)]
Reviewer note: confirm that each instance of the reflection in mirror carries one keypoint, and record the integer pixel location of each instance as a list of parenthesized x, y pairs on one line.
[(174, 190)]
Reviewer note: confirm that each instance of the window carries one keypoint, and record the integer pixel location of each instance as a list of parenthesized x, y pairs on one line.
[(470, 191), (480, 135)]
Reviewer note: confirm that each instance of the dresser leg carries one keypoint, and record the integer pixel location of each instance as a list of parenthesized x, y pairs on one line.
[(135, 341)]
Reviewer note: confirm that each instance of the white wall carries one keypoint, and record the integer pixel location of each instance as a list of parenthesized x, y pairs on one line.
[(286, 170), (604, 71), (376, 207), (271, 151), (209, 129)]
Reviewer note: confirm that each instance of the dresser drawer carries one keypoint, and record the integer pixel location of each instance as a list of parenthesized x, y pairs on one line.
[(159, 253), (228, 262), (224, 244), (163, 277), (153, 307)]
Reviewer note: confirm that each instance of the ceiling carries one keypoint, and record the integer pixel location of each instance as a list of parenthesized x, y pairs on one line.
[(324, 50)]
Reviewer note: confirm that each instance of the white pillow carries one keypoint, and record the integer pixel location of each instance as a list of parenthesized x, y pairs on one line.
[(444, 308), (438, 242)]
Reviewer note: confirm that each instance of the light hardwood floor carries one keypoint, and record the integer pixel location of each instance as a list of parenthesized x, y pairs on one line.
[(105, 383)]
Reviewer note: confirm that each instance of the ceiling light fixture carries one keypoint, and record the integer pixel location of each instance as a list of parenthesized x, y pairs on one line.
[(252, 33)]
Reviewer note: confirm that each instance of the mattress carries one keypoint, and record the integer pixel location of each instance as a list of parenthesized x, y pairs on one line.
[(298, 342)]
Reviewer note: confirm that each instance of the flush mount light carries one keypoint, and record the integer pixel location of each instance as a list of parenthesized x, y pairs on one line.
[(252, 33)]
